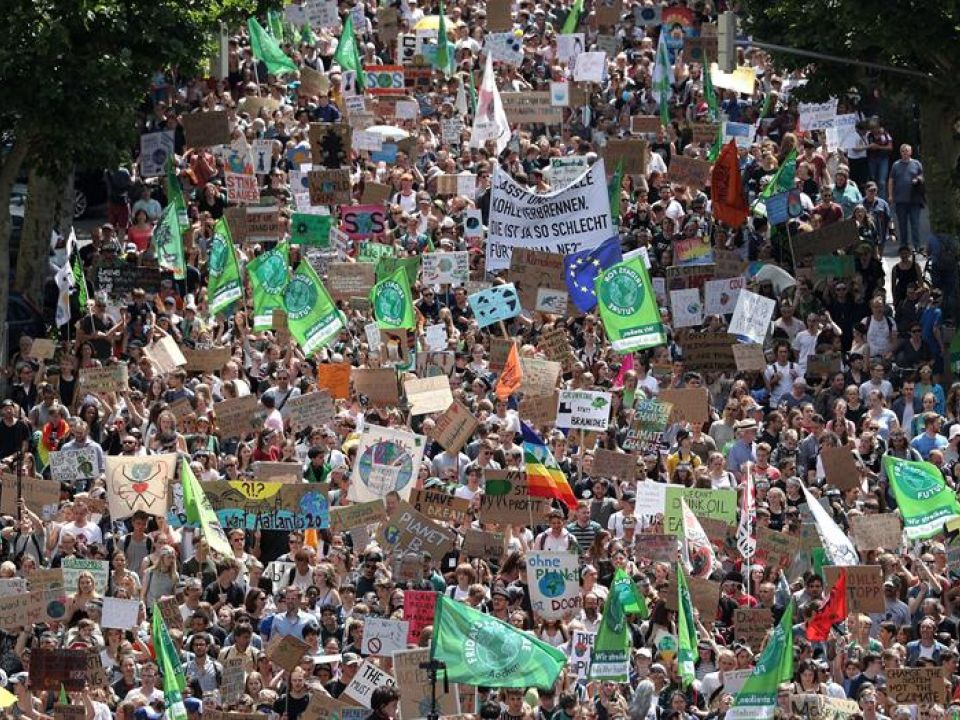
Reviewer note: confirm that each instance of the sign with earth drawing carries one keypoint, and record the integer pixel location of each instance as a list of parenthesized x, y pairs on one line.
[(139, 484), (387, 459), (554, 583), (500, 302)]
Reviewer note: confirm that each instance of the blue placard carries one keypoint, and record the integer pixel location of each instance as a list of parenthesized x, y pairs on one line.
[(494, 304), (387, 153)]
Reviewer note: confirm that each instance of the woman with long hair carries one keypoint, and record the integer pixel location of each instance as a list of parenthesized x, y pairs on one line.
[(161, 577)]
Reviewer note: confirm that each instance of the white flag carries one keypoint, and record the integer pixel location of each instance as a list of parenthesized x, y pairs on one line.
[(698, 553), (839, 548), (746, 543), (461, 102), (64, 280), (490, 122)]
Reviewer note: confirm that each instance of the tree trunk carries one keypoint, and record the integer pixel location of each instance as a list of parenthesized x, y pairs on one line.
[(65, 221), (44, 201), (940, 153), (9, 168)]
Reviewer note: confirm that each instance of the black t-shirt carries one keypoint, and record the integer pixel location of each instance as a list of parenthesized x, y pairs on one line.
[(12, 437), (290, 706), (92, 324)]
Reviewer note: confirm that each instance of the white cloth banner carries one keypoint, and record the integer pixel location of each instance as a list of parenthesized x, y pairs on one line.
[(565, 221)]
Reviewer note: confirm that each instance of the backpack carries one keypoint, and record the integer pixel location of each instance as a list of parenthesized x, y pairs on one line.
[(129, 536)]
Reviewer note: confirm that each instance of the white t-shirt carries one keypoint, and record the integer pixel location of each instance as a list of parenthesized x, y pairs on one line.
[(89, 530), (805, 343), (788, 373)]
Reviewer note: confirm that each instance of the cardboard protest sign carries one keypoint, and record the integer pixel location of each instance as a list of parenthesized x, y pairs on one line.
[(689, 404), (69, 712), (43, 348), (314, 409), (239, 417), (119, 613), (554, 582), (539, 376), (416, 689), (287, 651), (556, 346), (482, 544), (206, 129), (112, 378), (335, 379), (263, 224), (231, 685), (68, 466), (330, 187), (330, 145), (361, 222), (540, 410), (876, 531), (438, 505), (368, 678), (387, 459), (139, 483), (749, 357), (409, 530), (634, 151), (382, 636), (446, 268), (840, 464), (278, 472), (375, 193), (377, 386), (531, 108), (428, 395), (269, 505), (776, 549), (651, 418), (506, 501), (709, 352), (648, 125), (170, 611), (41, 496), (206, 360), (49, 669), (823, 363), (455, 427), (656, 547), (313, 82), (346, 517), (838, 236), (864, 586), (750, 625), (499, 19), (347, 280), (705, 595), (916, 685), (623, 466), (695, 174)]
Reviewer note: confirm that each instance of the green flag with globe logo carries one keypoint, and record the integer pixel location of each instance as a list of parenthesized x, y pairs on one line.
[(312, 316), (392, 302), (479, 649), (628, 307), (224, 286), (168, 240), (268, 279), (924, 499), (610, 659)]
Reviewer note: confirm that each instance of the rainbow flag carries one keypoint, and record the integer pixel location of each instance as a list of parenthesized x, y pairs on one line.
[(544, 477)]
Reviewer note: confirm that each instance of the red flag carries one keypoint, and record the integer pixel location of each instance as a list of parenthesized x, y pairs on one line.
[(509, 380), (729, 203), (833, 611)]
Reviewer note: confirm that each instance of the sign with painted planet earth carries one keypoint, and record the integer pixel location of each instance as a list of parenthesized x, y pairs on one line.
[(387, 459), (554, 583)]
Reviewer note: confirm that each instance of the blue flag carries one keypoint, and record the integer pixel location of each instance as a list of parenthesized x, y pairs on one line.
[(582, 268)]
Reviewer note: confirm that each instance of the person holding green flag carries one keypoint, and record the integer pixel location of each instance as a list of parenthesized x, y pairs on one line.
[(757, 699), (171, 666), (392, 302), (347, 56), (610, 659), (628, 307), (168, 242), (269, 276), (783, 180), (266, 48), (224, 286), (312, 316)]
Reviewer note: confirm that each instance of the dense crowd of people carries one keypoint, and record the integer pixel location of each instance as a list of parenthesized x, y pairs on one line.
[(855, 358)]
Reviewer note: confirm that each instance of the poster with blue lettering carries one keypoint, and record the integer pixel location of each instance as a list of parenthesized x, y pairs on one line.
[(500, 302), (554, 582), (254, 505), (387, 459)]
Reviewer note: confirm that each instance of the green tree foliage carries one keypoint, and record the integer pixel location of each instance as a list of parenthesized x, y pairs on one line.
[(903, 33)]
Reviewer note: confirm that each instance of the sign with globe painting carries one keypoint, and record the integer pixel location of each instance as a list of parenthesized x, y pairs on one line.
[(139, 483), (554, 581), (387, 459), (628, 307), (269, 505)]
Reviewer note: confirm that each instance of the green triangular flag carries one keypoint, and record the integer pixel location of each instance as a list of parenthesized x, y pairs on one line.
[(573, 19), (784, 178), (388, 266), (200, 513), (708, 91), (392, 302), (445, 50), (717, 146), (481, 650), (615, 190), (265, 48), (610, 659), (168, 242), (347, 56), (687, 630), (269, 275), (275, 24), (63, 699), (224, 287), (170, 666)]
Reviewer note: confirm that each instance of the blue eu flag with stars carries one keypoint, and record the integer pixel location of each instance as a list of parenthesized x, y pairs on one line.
[(580, 269)]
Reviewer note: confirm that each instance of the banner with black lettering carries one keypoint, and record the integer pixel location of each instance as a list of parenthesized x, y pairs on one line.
[(574, 218)]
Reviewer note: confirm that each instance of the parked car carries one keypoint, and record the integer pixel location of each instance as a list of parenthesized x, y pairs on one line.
[(23, 318)]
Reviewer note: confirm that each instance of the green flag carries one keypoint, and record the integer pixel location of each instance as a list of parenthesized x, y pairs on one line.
[(168, 242), (63, 699), (275, 25), (200, 513), (79, 280), (472, 92), (717, 144), (479, 649), (224, 287), (312, 316), (784, 178), (387, 266), (310, 229), (758, 697), (923, 497), (175, 192), (265, 48), (445, 49), (708, 91), (392, 302), (347, 56), (171, 666), (573, 19), (628, 307), (268, 279), (610, 659), (631, 599), (615, 190), (687, 630), (306, 35)]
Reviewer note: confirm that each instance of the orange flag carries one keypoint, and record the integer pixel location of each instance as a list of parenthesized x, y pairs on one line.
[(509, 381), (729, 202)]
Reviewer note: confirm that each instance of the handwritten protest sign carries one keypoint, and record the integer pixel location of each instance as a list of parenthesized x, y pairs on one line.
[(206, 129), (864, 586), (428, 395), (506, 500), (269, 505), (99, 569), (916, 685), (554, 582), (382, 636), (139, 484), (368, 678), (239, 417), (418, 607), (346, 517), (314, 409), (750, 625), (416, 689), (623, 466), (455, 426), (41, 496), (51, 668), (112, 378), (68, 466), (438, 505), (409, 530), (482, 544), (874, 531)]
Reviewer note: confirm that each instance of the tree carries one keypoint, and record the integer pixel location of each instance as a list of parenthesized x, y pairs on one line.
[(74, 73), (904, 34)]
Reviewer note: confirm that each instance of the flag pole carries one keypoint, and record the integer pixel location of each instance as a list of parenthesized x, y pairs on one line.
[(749, 560)]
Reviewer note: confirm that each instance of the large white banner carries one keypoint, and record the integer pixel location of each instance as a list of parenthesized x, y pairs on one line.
[(564, 222)]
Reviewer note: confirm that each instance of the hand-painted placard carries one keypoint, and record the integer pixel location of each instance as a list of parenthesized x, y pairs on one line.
[(494, 304)]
